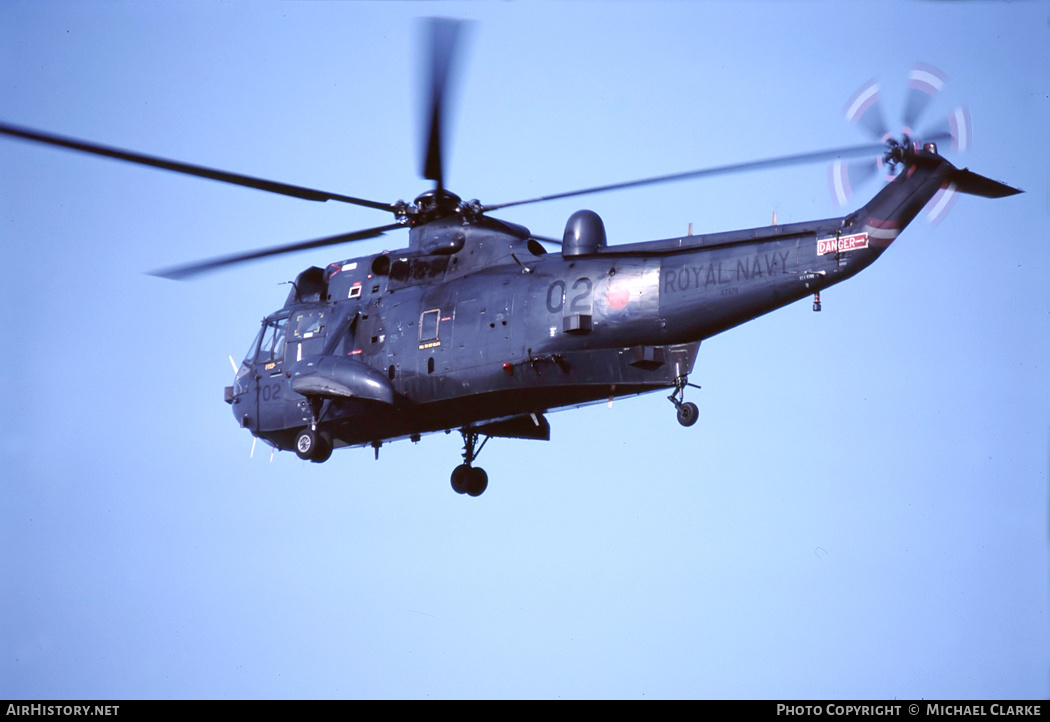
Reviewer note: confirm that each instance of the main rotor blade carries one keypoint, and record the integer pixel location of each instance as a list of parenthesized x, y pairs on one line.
[(787, 160), (179, 273), (443, 35), (187, 168)]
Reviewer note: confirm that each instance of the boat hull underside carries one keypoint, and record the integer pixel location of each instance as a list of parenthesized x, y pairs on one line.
[(535, 386)]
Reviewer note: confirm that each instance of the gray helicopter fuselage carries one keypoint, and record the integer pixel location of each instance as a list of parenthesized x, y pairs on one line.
[(475, 326)]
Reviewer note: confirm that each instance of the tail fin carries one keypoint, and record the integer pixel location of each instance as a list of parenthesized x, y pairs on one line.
[(977, 185)]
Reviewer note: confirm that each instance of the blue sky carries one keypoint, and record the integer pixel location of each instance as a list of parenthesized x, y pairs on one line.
[(861, 510)]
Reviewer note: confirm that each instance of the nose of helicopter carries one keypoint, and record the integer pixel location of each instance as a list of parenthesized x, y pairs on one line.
[(237, 406), (235, 395)]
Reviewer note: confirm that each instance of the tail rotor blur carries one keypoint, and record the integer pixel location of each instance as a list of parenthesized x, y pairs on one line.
[(864, 109), (844, 176), (956, 127), (925, 83)]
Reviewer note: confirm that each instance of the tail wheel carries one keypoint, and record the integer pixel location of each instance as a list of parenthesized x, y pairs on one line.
[(688, 413)]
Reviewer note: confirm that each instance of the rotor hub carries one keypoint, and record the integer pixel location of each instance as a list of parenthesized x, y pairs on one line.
[(434, 205), (900, 151)]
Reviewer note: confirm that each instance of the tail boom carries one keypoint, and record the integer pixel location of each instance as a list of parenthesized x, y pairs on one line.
[(924, 176)]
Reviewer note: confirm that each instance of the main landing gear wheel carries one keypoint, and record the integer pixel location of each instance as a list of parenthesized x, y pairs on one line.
[(312, 446), (467, 479), (470, 480), (460, 476)]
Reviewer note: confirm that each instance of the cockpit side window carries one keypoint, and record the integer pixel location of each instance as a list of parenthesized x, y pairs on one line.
[(309, 324), (254, 348), (307, 333), (271, 350)]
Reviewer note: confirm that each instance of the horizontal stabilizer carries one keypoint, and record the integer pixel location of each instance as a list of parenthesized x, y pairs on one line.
[(968, 182)]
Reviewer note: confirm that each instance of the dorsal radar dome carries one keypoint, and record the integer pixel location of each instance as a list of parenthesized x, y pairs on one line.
[(584, 234)]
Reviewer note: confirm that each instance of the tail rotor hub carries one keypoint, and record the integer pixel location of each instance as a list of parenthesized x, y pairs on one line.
[(901, 151)]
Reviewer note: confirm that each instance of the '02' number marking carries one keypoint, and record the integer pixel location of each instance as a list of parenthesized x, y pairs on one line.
[(580, 302)]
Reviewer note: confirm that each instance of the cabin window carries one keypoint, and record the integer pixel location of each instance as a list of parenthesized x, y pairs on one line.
[(399, 270), (412, 271), (426, 269), (428, 325)]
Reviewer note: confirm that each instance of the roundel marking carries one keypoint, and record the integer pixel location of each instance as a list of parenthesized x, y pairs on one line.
[(617, 296)]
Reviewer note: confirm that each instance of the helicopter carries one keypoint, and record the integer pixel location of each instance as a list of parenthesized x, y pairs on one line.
[(475, 326)]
